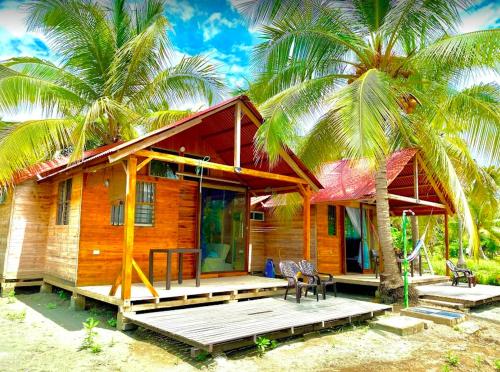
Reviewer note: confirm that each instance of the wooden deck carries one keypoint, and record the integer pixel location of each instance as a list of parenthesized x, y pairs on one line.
[(210, 290), (227, 326), (370, 280), (469, 297)]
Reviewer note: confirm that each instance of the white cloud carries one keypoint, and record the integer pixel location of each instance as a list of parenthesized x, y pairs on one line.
[(214, 24), (480, 19), (181, 8)]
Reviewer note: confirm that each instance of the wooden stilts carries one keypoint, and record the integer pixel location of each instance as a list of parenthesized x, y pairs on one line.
[(446, 242)]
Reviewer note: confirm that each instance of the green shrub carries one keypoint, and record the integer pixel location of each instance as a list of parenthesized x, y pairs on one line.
[(89, 342), (51, 306), (19, 316), (451, 359), (112, 322), (486, 271), (11, 297)]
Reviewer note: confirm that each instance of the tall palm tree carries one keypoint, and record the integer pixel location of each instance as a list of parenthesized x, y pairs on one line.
[(115, 78), (372, 77)]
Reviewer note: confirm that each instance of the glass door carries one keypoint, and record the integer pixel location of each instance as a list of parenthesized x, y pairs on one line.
[(223, 232)]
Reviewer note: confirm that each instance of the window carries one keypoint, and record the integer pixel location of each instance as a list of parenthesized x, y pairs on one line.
[(144, 206), (158, 168), (332, 220), (3, 197), (144, 203), (117, 213), (63, 202), (257, 216)]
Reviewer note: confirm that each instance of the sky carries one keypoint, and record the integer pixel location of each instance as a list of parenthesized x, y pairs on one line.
[(210, 27)]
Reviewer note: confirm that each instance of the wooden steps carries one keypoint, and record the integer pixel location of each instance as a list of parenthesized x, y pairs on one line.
[(444, 304)]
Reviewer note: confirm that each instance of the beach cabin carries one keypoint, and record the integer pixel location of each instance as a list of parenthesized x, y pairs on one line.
[(343, 217), (90, 226)]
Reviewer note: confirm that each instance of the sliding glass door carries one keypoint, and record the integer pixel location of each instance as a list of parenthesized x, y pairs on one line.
[(223, 232)]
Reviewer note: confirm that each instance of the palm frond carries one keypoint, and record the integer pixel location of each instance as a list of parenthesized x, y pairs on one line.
[(24, 145)]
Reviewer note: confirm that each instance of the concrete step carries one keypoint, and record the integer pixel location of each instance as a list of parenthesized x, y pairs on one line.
[(445, 304), (439, 316), (400, 325)]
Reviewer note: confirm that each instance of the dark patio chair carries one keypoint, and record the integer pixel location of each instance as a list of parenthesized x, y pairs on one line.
[(375, 262), (459, 273), (309, 269), (291, 272)]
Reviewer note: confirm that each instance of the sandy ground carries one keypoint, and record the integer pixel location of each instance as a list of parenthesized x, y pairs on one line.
[(49, 337)]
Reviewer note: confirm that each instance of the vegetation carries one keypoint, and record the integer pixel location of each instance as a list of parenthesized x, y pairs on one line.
[(90, 342), (263, 344), (115, 79), (18, 316), (452, 359), (51, 306), (11, 297), (375, 77)]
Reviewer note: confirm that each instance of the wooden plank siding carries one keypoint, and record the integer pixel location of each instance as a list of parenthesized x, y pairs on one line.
[(63, 240), (5, 214), (283, 240), (175, 216), (24, 238), (329, 248)]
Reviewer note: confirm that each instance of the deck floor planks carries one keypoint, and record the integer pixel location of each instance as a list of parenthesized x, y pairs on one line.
[(217, 324), (188, 288), (474, 296), (370, 280)]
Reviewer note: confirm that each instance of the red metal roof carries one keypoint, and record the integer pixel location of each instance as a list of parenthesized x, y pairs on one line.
[(60, 163), (355, 179), (348, 180), (217, 122)]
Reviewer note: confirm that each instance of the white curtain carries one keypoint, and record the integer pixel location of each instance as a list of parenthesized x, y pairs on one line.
[(355, 217)]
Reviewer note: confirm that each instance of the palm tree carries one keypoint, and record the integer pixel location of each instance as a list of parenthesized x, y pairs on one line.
[(114, 80), (373, 77)]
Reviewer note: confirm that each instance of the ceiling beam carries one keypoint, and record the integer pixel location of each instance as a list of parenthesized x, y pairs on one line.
[(415, 201)]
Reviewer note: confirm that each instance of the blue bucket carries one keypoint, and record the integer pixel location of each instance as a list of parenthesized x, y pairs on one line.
[(269, 270)]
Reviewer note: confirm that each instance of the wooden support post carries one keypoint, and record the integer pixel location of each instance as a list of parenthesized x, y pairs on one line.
[(307, 222), (446, 242), (237, 135), (77, 302), (415, 178), (129, 228)]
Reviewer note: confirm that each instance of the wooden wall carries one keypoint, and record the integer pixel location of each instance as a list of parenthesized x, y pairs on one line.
[(330, 255), (174, 226), (63, 240), (284, 240), (26, 241), (5, 213)]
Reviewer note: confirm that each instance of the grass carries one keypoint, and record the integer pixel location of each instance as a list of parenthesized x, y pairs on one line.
[(451, 359), (16, 316), (486, 271)]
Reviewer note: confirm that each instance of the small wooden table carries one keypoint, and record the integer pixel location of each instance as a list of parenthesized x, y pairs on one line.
[(180, 252)]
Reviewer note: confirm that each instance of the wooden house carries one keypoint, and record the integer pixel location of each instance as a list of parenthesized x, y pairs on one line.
[(187, 185), (343, 215)]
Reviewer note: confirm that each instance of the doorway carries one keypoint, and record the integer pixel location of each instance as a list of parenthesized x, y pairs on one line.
[(223, 230)]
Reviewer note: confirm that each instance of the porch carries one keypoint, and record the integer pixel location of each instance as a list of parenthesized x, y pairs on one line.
[(229, 326), (222, 289), (372, 281)]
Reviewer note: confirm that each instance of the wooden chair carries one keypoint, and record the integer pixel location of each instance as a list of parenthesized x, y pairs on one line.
[(459, 273), (375, 262), (291, 272), (310, 270)]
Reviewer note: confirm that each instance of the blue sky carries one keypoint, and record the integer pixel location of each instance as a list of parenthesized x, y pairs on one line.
[(211, 27)]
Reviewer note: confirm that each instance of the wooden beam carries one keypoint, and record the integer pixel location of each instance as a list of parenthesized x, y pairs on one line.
[(116, 284), (307, 223), (284, 155), (237, 135), (220, 167), (143, 164), (129, 227), (433, 183), (144, 279), (446, 243), (271, 190), (415, 201)]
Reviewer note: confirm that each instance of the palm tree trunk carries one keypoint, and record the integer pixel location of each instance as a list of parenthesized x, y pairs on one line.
[(390, 278), (461, 260)]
